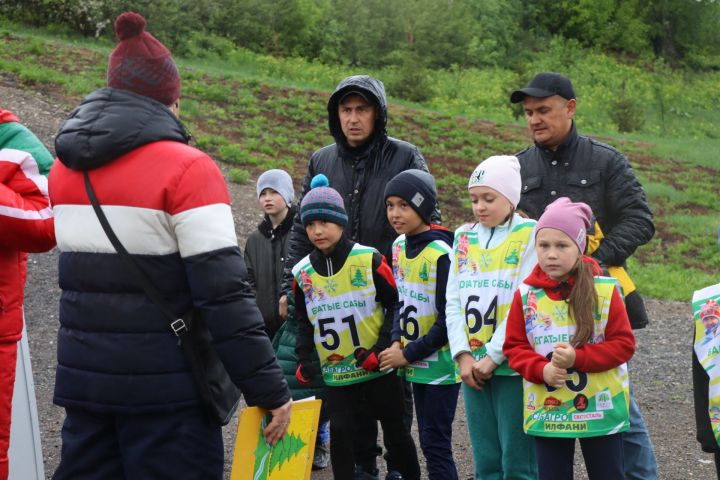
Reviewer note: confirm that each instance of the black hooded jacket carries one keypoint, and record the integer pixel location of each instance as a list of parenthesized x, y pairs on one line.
[(265, 253), (359, 175)]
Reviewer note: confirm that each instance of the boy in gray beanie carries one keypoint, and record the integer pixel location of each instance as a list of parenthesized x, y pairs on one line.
[(266, 247)]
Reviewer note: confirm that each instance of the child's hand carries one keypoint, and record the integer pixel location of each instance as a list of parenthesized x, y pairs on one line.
[(564, 355), (392, 357), (554, 376), (283, 307), (466, 362), (484, 368)]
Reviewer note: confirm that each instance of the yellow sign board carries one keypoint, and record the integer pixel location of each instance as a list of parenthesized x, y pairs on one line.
[(290, 458)]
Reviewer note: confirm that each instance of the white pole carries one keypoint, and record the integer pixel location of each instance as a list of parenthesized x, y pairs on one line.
[(26, 460)]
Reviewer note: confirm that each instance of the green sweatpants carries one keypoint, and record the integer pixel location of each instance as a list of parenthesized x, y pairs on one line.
[(501, 450)]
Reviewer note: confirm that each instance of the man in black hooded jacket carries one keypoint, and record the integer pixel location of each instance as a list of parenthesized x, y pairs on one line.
[(358, 165)]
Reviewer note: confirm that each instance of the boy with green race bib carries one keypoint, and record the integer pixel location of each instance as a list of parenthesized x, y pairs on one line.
[(420, 264), (705, 367), (569, 336), (490, 257), (345, 298)]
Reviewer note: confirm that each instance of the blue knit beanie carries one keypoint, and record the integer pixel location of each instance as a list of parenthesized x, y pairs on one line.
[(322, 203)]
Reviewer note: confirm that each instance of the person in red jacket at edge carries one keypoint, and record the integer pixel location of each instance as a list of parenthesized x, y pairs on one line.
[(26, 225)]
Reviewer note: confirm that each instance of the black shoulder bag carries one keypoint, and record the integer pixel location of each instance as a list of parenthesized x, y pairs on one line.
[(217, 391)]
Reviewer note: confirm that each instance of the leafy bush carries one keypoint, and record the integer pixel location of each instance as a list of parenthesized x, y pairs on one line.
[(238, 175), (412, 82), (627, 115)]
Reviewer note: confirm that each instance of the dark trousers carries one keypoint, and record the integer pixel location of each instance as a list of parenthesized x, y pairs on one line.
[(181, 444), (435, 410), (603, 457), (366, 448), (382, 399)]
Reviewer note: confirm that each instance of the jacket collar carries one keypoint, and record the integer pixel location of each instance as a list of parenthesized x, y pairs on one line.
[(6, 116), (416, 243), (331, 264), (110, 123), (557, 290), (267, 229), (563, 148)]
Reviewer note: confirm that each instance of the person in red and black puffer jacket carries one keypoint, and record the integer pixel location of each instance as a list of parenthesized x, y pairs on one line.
[(26, 225), (132, 409)]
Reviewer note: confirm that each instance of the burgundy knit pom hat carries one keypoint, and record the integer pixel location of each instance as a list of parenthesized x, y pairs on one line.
[(140, 63)]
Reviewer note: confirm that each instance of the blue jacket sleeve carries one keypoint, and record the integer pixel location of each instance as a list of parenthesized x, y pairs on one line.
[(437, 335)]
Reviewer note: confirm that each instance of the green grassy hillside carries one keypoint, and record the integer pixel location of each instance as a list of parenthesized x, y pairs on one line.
[(256, 113)]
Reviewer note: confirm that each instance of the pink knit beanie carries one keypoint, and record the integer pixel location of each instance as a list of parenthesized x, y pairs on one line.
[(140, 63), (502, 174), (573, 219)]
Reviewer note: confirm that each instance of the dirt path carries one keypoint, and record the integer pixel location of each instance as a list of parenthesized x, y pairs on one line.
[(660, 369)]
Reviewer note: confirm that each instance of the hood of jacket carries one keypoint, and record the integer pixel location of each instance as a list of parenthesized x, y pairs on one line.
[(558, 290), (7, 116), (375, 90), (110, 123)]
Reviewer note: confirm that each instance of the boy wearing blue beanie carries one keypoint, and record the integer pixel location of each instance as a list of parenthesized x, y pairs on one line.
[(345, 297)]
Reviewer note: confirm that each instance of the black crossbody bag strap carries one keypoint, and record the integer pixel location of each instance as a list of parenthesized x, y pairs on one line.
[(177, 324)]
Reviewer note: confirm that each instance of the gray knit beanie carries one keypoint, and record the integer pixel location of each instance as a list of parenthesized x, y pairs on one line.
[(278, 180)]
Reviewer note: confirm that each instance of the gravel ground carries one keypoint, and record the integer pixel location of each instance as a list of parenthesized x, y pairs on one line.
[(660, 369)]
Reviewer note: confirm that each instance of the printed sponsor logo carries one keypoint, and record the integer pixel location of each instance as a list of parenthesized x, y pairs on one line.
[(580, 402), (339, 377), (565, 427), (588, 416), (551, 403), (421, 364), (475, 343), (603, 400), (531, 402)]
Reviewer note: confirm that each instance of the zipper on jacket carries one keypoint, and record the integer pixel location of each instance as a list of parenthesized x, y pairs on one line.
[(492, 232), (329, 265)]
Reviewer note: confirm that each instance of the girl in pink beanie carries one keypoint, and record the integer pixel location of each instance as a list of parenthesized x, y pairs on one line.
[(489, 259), (574, 365)]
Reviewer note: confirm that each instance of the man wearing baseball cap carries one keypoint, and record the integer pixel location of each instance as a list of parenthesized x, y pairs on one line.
[(563, 163)]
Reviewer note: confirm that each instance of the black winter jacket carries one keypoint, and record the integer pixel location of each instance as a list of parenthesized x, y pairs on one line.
[(359, 175), (265, 253), (589, 171)]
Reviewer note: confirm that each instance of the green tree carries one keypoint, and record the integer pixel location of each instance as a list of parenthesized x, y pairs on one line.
[(287, 448), (682, 30)]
